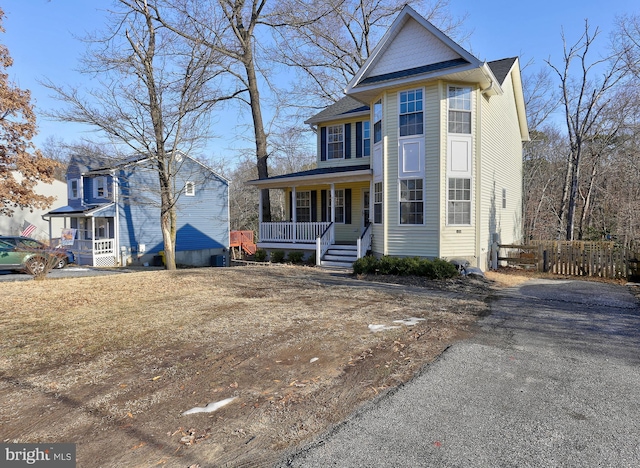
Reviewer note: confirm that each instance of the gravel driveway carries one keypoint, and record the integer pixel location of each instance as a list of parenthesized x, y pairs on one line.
[(552, 379)]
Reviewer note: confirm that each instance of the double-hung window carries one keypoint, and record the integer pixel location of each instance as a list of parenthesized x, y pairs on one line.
[(411, 113), (335, 142), (366, 138), (339, 206), (74, 189), (459, 201), (411, 201), (377, 121), (303, 207), (100, 187), (459, 109), (377, 203)]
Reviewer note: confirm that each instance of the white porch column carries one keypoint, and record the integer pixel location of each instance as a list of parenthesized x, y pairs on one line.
[(294, 209), (259, 207), (93, 243)]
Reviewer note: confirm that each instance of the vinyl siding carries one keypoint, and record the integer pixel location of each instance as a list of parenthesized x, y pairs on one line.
[(457, 241), (352, 161), (501, 168), (415, 240), (409, 49), (202, 220)]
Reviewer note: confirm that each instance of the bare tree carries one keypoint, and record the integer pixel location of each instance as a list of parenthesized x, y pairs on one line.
[(154, 94), (17, 152), (328, 42), (584, 100), (228, 28)]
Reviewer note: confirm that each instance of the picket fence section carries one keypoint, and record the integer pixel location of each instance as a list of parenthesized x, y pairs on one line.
[(574, 258)]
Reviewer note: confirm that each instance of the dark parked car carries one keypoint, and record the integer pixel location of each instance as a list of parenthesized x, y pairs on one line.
[(23, 253)]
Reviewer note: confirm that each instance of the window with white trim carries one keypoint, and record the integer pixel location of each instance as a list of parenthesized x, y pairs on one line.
[(377, 121), (339, 206), (459, 201), (74, 188), (377, 203), (99, 187), (411, 201), (190, 189), (303, 207), (504, 198), (459, 109), (411, 113), (366, 138), (335, 142)]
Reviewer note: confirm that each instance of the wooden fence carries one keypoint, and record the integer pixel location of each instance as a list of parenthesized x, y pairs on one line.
[(574, 258)]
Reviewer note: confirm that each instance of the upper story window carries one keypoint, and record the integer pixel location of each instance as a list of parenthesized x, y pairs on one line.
[(366, 138), (335, 142), (377, 121), (190, 189), (74, 189), (411, 112), (100, 187), (459, 109)]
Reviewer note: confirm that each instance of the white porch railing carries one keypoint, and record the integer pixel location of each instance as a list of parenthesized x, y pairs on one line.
[(364, 241), (301, 233), (324, 241), (100, 252)]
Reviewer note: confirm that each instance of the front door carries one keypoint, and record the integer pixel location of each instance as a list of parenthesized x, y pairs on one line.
[(365, 207)]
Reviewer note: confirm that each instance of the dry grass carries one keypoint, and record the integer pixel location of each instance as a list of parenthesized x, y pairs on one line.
[(117, 359)]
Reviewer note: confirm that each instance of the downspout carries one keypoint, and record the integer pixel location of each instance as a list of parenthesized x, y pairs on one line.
[(478, 178)]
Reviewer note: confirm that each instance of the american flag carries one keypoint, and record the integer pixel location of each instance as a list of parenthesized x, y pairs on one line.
[(27, 229)]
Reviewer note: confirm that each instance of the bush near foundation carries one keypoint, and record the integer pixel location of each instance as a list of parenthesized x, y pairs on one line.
[(405, 266)]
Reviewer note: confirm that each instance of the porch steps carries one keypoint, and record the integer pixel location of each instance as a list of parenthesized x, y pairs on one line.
[(340, 256)]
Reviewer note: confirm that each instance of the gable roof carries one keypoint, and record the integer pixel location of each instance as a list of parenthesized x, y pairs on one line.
[(414, 49), (501, 68)]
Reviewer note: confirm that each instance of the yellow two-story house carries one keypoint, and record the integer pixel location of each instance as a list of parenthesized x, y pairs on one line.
[(422, 157)]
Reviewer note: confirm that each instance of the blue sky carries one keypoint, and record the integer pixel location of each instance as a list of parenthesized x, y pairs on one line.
[(40, 37)]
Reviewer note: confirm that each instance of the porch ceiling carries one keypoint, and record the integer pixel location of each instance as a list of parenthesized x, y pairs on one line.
[(322, 176)]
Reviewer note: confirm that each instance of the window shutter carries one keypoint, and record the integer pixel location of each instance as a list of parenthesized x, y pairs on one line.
[(347, 141), (347, 206), (358, 139), (323, 206), (323, 143), (290, 206), (314, 206)]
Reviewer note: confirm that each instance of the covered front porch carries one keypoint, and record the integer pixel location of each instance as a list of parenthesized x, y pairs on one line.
[(328, 213), (89, 233)]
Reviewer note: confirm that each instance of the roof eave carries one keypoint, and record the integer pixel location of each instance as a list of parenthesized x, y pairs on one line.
[(332, 118), (316, 179)]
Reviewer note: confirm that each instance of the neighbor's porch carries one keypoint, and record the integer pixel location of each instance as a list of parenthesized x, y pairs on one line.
[(90, 234)]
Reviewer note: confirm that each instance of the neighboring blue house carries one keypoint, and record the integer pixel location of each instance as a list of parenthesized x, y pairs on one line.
[(113, 211)]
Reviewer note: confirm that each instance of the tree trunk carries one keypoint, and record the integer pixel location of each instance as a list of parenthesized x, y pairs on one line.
[(258, 127)]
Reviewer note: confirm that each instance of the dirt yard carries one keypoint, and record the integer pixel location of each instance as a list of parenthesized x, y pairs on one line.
[(112, 363)]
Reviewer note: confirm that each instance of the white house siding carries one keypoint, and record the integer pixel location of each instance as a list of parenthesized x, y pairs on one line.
[(457, 241), (412, 47), (413, 240), (12, 225), (501, 168)]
